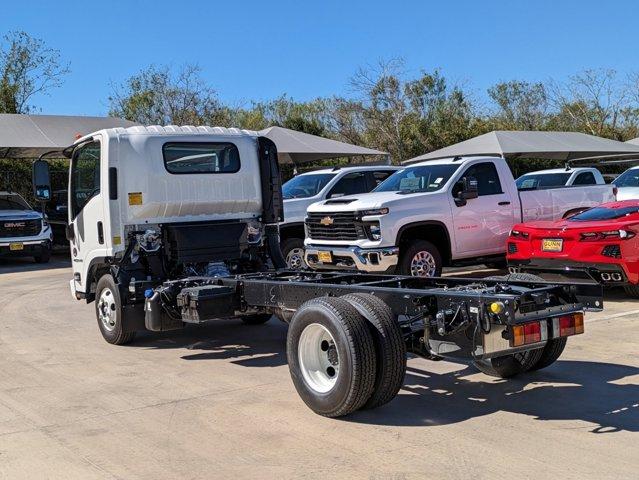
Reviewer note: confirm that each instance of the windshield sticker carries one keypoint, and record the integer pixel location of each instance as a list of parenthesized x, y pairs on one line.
[(438, 180)]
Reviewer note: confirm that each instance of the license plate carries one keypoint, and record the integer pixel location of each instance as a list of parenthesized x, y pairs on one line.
[(16, 246), (325, 257), (552, 244)]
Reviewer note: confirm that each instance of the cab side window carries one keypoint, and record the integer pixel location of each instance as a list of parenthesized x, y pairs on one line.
[(85, 176), (487, 178), (350, 184), (585, 178), (379, 177)]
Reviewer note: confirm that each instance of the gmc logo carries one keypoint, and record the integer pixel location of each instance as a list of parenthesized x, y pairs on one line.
[(15, 225)]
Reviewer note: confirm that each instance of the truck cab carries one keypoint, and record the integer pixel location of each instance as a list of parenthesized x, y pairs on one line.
[(24, 232), (432, 214), (307, 188)]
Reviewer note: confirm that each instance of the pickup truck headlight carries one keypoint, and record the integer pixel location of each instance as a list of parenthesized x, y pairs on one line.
[(375, 211)]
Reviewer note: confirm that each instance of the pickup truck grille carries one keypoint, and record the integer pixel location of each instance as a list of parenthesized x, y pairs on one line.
[(20, 228), (334, 226)]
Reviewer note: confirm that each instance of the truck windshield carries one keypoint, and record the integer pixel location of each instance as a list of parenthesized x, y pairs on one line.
[(629, 178), (425, 178), (603, 213), (13, 202), (544, 180), (305, 186)]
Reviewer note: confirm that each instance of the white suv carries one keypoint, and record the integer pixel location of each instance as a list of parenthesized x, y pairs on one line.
[(303, 190), (23, 231)]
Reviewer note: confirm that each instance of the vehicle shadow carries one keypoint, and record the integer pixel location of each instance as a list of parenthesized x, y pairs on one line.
[(27, 264), (247, 345), (568, 390)]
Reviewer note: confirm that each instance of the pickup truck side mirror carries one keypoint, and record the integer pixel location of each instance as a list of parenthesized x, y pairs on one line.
[(467, 189), (41, 181)]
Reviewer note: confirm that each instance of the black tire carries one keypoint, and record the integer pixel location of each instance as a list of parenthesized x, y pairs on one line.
[(390, 348), (287, 247), (550, 353), (410, 250), (355, 349), (258, 319), (44, 256), (119, 331), (632, 290), (509, 365)]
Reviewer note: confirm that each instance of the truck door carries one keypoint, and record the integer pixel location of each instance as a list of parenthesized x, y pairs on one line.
[(483, 224), (86, 210)]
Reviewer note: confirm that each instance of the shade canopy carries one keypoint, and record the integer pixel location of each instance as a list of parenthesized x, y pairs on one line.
[(527, 144), (29, 136), (299, 147)]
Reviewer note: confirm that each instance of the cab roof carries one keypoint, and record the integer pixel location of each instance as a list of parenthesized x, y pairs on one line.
[(351, 169)]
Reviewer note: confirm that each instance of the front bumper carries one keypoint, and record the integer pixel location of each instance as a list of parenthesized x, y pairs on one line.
[(30, 245), (571, 271), (376, 260)]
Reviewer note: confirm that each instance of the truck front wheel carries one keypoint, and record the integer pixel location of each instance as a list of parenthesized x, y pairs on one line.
[(293, 252), (108, 310), (420, 259), (331, 356)]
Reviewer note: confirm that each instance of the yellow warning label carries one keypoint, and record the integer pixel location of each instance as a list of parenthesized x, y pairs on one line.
[(117, 240), (135, 198)]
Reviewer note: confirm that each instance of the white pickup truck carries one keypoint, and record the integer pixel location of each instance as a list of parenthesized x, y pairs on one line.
[(560, 177), (310, 187), (435, 213)]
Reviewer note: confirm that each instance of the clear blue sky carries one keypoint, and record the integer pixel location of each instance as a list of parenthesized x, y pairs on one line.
[(261, 49)]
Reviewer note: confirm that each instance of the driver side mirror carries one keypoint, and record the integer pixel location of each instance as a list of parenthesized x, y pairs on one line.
[(41, 181), (467, 189)]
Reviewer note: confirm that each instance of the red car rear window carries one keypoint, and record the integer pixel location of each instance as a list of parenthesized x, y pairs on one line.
[(602, 213)]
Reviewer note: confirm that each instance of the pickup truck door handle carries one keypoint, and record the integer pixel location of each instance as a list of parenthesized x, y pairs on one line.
[(504, 203)]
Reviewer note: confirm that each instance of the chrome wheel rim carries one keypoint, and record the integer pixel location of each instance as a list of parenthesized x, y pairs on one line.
[(107, 309), (423, 265), (295, 259), (318, 357)]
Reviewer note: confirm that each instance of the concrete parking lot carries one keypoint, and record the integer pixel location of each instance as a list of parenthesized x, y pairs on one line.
[(217, 402)]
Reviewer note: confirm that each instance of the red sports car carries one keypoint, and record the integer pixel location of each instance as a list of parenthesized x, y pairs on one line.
[(602, 241)]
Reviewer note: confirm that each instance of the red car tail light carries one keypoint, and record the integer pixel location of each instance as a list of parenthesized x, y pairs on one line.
[(604, 235), (519, 234)]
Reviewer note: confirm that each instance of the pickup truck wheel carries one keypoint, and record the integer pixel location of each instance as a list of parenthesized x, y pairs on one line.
[(420, 259), (108, 310), (293, 251), (258, 319), (550, 353), (509, 365), (390, 347), (331, 356)]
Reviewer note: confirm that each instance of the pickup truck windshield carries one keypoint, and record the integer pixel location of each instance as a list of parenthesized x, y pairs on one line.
[(629, 178), (544, 180), (305, 186), (602, 213), (425, 178), (13, 202)]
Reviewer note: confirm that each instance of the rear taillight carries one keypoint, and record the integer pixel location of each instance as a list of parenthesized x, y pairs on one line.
[(604, 235), (568, 325), (518, 234), (526, 333)]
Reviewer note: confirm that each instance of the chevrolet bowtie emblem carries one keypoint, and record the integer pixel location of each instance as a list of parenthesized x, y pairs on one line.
[(326, 221)]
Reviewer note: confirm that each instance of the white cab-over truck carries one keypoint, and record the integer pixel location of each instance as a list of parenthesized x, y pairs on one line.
[(310, 187), (433, 214), (172, 226)]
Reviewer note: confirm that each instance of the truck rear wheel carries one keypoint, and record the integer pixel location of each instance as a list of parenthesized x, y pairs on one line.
[(331, 356), (420, 259), (390, 347), (550, 353), (509, 365), (108, 310)]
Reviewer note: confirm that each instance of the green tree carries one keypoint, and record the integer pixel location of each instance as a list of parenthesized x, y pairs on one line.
[(27, 68)]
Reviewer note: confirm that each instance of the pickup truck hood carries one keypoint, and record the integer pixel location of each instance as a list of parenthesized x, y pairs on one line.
[(19, 215), (365, 201)]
